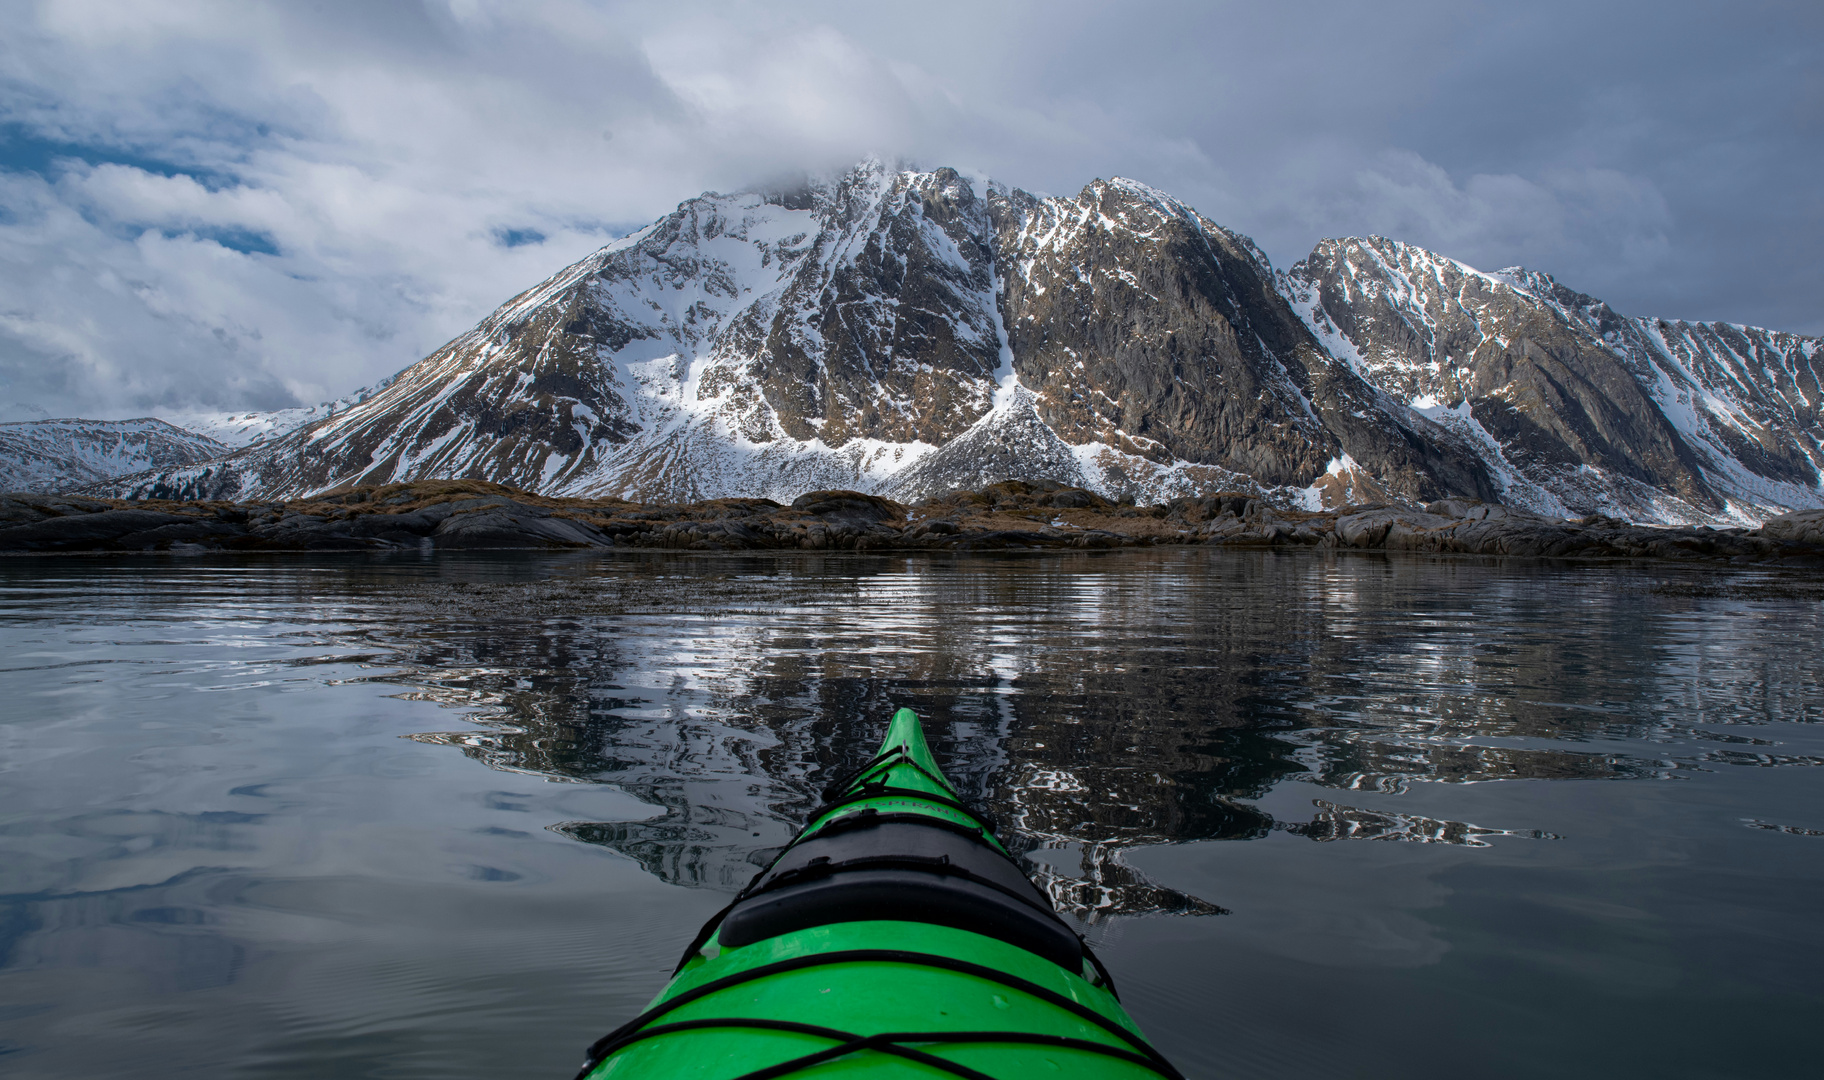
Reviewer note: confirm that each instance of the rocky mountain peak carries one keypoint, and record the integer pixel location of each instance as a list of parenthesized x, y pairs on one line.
[(887, 331)]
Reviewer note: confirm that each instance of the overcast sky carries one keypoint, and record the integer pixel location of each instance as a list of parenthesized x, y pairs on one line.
[(236, 205)]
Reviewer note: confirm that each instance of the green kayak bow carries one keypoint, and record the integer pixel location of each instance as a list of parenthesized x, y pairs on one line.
[(894, 937)]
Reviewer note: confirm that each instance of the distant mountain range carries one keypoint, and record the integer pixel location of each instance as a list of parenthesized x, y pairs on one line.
[(906, 332), (57, 455), (1574, 408)]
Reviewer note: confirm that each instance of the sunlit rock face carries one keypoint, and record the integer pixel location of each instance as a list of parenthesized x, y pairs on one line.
[(1147, 330), (1576, 409), (908, 333)]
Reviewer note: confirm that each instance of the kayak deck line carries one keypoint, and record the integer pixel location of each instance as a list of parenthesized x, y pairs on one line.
[(895, 936)]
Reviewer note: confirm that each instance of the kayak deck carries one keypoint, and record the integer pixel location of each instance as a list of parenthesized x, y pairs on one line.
[(893, 937)]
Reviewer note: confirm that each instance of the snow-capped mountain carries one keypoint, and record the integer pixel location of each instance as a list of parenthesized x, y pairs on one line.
[(866, 333), (907, 332), (744, 344), (1575, 408), (56, 455)]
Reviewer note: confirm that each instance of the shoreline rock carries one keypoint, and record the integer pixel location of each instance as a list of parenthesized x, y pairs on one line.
[(1013, 515)]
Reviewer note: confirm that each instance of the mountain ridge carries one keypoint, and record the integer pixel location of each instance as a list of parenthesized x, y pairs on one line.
[(1582, 409), (906, 333)]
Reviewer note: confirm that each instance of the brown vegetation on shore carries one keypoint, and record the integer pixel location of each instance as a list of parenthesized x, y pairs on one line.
[(1013, 515)]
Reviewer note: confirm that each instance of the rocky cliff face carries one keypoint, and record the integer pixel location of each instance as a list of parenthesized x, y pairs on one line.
[(1577, 410), (908, 332), (57, 455), (1143, 328)]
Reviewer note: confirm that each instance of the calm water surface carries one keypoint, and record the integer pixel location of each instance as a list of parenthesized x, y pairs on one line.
[(456, 816)]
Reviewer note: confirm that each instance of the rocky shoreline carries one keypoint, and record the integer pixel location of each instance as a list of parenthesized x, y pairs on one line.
[(1014, 515)]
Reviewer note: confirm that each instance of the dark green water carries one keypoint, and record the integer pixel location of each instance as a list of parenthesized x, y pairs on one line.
[(456, 816)]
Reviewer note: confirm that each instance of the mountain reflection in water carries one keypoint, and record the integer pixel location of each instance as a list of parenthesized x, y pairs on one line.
[(1594, 826), (1094, 705)]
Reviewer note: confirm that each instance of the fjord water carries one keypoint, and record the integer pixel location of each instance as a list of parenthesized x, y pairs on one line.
[(437, 815)]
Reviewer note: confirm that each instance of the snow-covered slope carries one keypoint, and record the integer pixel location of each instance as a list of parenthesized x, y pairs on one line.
[(1576, 409), (58, 455)]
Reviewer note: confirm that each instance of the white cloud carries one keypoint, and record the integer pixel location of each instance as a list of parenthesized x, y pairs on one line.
[(1564, 217), (371, 156)]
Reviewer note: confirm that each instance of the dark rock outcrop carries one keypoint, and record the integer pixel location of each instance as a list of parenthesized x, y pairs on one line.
[(1799, 527), (1013, 515)]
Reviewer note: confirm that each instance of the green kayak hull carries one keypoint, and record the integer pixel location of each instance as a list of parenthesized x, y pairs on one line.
[(894, 937)]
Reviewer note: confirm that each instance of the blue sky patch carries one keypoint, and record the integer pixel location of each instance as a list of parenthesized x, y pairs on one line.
[(518, 237), (23, 150), (232, 237)]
